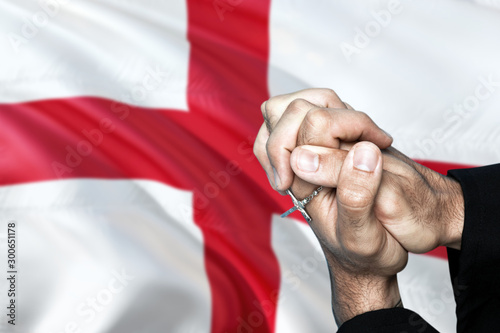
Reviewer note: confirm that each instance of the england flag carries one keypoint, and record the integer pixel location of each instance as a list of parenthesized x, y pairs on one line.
[(130, 198)]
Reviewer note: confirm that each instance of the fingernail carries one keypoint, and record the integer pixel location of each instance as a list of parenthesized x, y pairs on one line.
[(307, 160), (365, 159), (277, 180)]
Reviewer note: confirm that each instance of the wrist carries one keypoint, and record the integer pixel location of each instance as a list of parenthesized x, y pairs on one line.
[(452, 203), (355, 295)]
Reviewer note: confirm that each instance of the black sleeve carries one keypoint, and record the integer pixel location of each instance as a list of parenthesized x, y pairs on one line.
[(394, 320), (475, 269)]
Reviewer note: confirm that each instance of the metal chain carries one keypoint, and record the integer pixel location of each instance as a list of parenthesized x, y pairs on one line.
[(311, 196)]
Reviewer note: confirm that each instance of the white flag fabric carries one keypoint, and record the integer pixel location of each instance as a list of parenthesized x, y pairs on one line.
[(130, 199)]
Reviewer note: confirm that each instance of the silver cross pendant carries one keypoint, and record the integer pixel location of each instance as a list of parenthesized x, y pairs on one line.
[(297, 205)]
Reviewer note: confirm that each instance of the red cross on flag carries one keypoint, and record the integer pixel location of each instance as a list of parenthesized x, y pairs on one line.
[(127, 177)]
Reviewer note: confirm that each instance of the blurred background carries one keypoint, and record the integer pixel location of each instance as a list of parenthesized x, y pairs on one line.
[(127, 176)]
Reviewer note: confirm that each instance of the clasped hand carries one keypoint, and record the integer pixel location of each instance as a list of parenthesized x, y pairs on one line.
[(377, 204)]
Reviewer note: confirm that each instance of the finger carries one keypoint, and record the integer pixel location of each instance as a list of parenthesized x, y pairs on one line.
[(318, 165), (320, 208), (407, 165), (358, 184), (270, 119), (327, 127), (283, 140), (276, 106), (259, 150), (321, 166), (304, 123)]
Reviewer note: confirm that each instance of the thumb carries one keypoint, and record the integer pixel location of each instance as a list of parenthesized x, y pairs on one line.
[(358, 184)]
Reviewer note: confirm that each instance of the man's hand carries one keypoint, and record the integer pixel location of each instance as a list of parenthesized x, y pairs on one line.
[(363, 257), (421, 208), (285, 115), (372, 202)]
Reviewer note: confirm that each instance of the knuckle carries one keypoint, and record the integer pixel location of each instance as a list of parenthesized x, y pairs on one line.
[(272, 103), (389, 206), (298, 104), (273, 146), (355, 196), (268, 109), (363, 114), (257, 149), (329, 94), (271, 120), (316, 116), (263, 108), (330, 98), (314, 125), (260, 155), (364, 117)]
